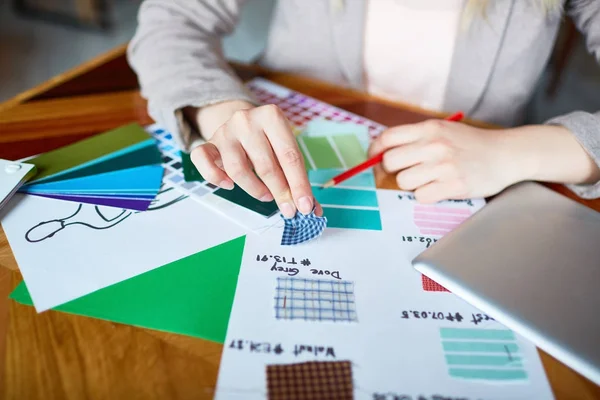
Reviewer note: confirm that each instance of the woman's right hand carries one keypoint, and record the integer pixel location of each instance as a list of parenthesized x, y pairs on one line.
[(255, 141)]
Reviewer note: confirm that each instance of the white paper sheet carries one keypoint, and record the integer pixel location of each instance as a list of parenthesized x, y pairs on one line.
[(393, 351), (66, 250)]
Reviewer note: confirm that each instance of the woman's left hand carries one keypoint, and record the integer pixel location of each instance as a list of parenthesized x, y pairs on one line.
[(441, 160)]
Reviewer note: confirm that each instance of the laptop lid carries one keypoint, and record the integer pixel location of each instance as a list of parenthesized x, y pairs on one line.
[(531, 259)]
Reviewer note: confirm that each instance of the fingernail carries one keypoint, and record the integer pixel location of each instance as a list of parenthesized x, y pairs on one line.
[(305, 205), (287, 210), (266, 198), (225, 184)]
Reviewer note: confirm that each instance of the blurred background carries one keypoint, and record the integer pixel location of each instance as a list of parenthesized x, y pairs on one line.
[(42, 38)]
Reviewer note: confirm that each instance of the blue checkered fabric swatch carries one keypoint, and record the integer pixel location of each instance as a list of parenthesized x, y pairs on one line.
[(315, 300), (302, 228)]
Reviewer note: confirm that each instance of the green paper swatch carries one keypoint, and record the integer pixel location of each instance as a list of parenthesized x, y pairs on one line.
[(71, 156), (192, 296), (190, 172), (146, 155), (350, 149), (345, 197), (238, 196), (321, 152), (352, 218)]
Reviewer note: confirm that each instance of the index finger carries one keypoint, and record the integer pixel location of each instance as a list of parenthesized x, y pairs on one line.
[(279, 132), (397, 136)]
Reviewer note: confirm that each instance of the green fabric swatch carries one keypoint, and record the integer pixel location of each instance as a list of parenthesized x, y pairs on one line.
[(350, 149), (238, 196), (485, 334), (475, 359), (86, 150), (486, 347), (147, 155), (192, 296), (190, 172), (489, 374), (321, 152)]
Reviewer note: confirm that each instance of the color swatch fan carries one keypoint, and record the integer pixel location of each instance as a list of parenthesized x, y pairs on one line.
[(119, 168)]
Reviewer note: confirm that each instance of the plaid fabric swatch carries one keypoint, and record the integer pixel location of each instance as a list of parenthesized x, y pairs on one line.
[(429, 285), (310, 381), (315, 300), (302, 228)]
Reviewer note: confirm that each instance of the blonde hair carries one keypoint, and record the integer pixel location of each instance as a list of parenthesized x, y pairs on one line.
[(475, 7)]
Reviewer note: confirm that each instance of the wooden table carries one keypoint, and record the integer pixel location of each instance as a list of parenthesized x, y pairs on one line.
[(60, 356)]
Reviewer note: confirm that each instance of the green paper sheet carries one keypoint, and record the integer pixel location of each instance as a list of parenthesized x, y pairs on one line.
[(147, 155), (68, 157), (190, 172), (192, 296)]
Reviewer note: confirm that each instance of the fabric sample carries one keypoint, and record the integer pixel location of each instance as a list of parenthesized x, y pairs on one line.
[(483, 354), (315, 299), (310, 381), (429, 285), (302, 228)]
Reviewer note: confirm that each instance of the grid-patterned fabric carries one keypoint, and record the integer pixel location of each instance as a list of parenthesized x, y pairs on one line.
[(315, 300), (302, 228), (313, 380), (429, 285)]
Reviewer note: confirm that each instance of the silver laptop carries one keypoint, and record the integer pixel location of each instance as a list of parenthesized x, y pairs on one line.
[(530, 259)]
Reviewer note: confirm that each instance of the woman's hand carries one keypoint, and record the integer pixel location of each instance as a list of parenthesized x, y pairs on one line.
[(441, 160), (256, 149)]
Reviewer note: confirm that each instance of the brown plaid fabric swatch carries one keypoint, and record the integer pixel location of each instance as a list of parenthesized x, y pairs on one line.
[(314, 380)]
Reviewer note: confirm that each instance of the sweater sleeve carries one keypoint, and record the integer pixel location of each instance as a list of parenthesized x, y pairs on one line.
[(177, 55), (584, 125)]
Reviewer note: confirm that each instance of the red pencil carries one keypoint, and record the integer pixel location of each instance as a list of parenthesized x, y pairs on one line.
[(372, 161)]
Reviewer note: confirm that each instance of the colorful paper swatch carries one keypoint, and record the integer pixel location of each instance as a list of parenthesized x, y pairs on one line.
[(190, 172), (86, 152), (482, 354), (326, 152), (192, 296), (143, 153), (352, 204), (119, 202), (139, 180), (238, 196), (120, 168)]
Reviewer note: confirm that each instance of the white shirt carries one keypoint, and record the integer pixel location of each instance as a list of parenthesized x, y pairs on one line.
[(408, 49)]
